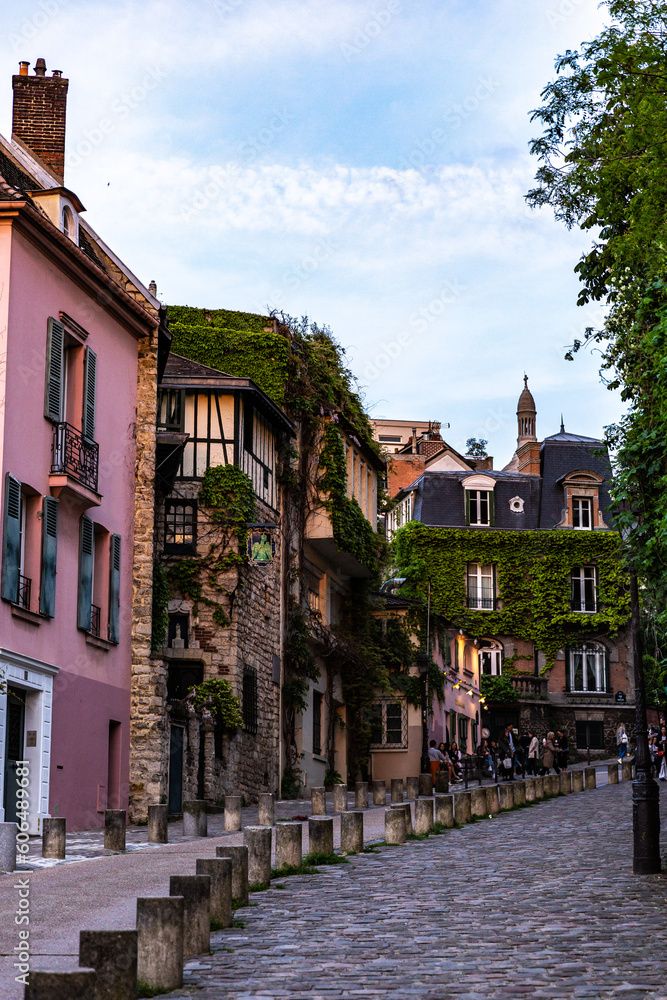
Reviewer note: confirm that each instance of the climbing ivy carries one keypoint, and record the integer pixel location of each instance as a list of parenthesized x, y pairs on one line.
[(533, 580), (160, 614), (217, 694)]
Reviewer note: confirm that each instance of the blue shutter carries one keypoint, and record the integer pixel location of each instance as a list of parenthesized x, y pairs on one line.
[(89, 390), (55, 370), (114, 589), (11, 539), (86, 556), (47, 589)]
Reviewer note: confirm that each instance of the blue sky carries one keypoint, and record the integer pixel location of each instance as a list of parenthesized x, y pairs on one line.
[(364, 164)]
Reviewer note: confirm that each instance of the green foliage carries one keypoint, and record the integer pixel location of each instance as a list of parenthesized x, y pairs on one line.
[(498, 689), (223, 702), (331, 778), (476, 448), (314, 859), (533, 575), (160, 614)]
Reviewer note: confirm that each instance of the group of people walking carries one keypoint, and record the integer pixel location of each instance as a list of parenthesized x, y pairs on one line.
[(514, 755)]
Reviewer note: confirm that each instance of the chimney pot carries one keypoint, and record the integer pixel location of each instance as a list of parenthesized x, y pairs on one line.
[(57, 73), (40, 68), (152, 288), (23, 68)]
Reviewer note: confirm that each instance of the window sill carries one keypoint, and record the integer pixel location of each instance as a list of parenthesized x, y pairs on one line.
[(319, 757), (389, 749), (99, 643), (28, 616)]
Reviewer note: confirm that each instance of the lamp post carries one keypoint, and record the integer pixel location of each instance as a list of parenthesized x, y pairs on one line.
[(422, 664), (645, 791)]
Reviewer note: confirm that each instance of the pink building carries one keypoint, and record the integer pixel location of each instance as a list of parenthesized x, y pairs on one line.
[(72, 321)]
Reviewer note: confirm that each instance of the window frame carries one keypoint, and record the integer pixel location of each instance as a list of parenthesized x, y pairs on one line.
[(475, 498), (318, 703), (600, 669), (580, 577), (382, 705), (180, 548), (585, 724), (477, 605), (579, 505)]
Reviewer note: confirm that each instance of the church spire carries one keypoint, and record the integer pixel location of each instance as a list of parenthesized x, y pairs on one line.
[(526, 415)]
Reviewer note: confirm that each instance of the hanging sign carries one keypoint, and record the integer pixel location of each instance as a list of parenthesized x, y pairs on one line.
[(261, 547)]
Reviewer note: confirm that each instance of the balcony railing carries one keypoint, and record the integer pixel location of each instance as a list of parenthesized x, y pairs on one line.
[(74, 456), (23, 595), (486, 603), (530, 686), (95, 620)]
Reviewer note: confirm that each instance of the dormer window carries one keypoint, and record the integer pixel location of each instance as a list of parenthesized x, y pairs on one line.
[(582, 513), (68, 222), (479, 507)]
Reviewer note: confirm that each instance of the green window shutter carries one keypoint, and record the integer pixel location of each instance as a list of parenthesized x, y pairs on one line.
[(11, 539), (568, 686), (491, 509), (55, 370), (86, 556), (114, 589), (47, 588), (89, 391), (467, 506)]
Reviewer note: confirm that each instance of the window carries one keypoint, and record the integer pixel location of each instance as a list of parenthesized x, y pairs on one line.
[(587, 669), (479, 504), (317, 722), (463, 734), (582, 513), (490, 662), (389, 725), (29, 549), (98, 600), (590, 734), (180, 526), (481, 586), (250, 700), (69, 227), (584, 590), (170, 409), (389, 439), (208, 419)]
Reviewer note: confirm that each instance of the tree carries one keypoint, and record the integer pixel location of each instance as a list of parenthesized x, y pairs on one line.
[(603, 160), (476, 448)]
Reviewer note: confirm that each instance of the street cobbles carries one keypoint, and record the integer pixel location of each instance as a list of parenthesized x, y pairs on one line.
[(537, 903)]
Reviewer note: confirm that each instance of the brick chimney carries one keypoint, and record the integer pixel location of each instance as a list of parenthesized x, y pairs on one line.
[(38, 119)]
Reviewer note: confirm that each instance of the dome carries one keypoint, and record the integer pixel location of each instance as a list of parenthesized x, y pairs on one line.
[(526, 401)]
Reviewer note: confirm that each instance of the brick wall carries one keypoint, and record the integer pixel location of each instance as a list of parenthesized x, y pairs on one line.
[(38, 118)]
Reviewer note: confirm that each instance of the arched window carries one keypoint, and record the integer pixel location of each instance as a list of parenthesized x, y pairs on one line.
[(587, 668), (490, 658), (68, 223)]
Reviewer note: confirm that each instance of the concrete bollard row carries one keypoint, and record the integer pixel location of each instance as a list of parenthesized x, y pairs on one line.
[(589, 777), (412, 788), (115, 824), (394, 826), (7, 847), (529, 785), (239, 859), (113, 956), (577, 781), (54, 838), (492, 800), (423, 816), (407, 811), (565, 782), (195, 819), (361, 797), (318, 801), (219, 871), (505, 796), (196, 893), (444, 810), (158, 825), (289, 845), (539, 789), (352, 832), (463, 808), (425, 785), (340, 798), (320, 835), (233, 817), (478, 802), (626, 770), (397, 789), (258, 841), (441, 782), (519, 793), (160, 942), (61, 985), (612, 774), (266, 809), (379, 793)]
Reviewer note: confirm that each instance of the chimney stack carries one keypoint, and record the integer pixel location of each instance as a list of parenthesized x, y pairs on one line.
[(38, 118)]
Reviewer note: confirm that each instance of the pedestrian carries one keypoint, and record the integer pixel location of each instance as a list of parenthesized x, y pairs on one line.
[(533, 753), (621, 742), (506, 745), (563, 747), (435, 759), (485, 758), (549, 756), (455, 757), (447, 765)]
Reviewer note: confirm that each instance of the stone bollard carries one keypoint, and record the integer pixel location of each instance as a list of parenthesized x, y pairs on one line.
[(462, 807), (340, 798), (361, 795), (565, 782), (7, 847), (219, 870), (412, 788), (478, 802), (352, 832), (405, 806), (379, 793), (113, 956), (318, 801), (233, 819), (115, 821), (54, 842), (397, 789), (519, 793), (160, 942), (425, 785), (320, 835), (444, 810), (258, 841), (79, 985), (612, 773), (289, 845), (394, 826), (529, 784), (239, 859), (626, 770), (589, 777), (423, 816), (552, 785), (441, 782), (492, 800), (539, 789), (196, 893), (505, 796), (578, 781), (266, 809), (158, 827), (195, 820)]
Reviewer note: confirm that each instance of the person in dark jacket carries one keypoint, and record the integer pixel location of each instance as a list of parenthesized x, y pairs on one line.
[(563, 747), (506, 746)]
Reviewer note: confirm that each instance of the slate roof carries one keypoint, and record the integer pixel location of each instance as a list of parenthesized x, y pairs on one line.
[(563, 453), (178, 367), (14, 177)]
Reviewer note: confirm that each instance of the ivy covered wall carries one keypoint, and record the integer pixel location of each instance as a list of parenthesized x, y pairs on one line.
[(533, 581)]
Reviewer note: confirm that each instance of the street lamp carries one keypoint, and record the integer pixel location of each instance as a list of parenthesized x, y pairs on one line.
[(422, 664)]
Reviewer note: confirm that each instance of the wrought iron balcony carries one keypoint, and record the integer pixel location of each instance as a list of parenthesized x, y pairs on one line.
[(23, 595), (74, 456), (95, 620)]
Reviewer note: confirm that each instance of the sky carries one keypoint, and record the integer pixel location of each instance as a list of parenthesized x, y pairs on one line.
[(364, 164)]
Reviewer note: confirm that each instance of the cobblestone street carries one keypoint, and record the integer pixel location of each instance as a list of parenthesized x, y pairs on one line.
[(538, 903)]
